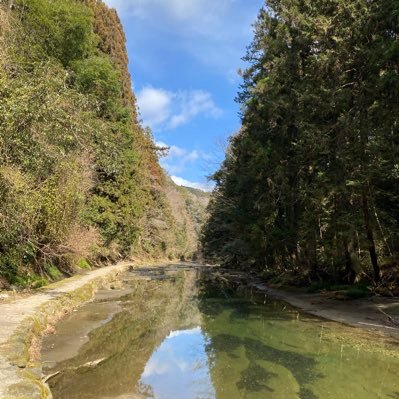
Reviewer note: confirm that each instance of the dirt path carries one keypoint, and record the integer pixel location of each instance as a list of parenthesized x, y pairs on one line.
[(364, 313), (14, 314)]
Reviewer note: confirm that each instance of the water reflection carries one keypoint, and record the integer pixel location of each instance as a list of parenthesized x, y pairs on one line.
[(178, 335), (180, 364)]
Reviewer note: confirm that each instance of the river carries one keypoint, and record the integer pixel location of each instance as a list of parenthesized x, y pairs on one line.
[(180, 333)]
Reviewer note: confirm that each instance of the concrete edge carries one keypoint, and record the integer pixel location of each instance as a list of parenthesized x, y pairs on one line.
[(17, 352)]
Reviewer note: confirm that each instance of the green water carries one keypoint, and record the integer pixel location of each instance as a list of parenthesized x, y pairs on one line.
[(178, 335)]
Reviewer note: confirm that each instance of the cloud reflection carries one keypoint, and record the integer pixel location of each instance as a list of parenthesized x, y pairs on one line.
[(180, 361)]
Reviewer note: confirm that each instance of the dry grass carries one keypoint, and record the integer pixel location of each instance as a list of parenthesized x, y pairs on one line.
[(35, 349), (81, 241), (5, 34), (86, 162), (4, 28)]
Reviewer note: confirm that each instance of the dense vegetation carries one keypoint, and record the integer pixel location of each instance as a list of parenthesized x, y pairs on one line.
[(80, 181), (310, 185)]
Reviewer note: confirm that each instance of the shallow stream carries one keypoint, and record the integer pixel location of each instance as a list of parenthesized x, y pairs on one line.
[(180, 333)]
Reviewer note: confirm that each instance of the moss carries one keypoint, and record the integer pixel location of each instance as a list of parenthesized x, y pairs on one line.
[(53, 272), (31, 387), (359, 290), (82, 263), (25, 390), (30, 280)]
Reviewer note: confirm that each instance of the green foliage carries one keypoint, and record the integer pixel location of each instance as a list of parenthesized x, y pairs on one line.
[(63, 29), (53, 273), (97, 76), (30, 280), (83, 264), (309, 185), (79, 178), (43, 125)]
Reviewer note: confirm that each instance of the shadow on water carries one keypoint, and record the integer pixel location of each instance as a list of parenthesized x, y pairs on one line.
[(303, 368), (254, 379), (243, 308), (182, 334)]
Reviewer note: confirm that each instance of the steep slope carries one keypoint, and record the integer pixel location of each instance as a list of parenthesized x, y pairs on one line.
[(188, 209), (80, 181)]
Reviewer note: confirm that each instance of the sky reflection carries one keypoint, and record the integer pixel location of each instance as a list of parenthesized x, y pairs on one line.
[(180, 364)]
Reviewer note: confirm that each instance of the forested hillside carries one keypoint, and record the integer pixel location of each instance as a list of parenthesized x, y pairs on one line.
[(188, 207), (310, 185), (80, 182)]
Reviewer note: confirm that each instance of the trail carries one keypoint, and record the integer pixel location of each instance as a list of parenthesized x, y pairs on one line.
[(13, 314)]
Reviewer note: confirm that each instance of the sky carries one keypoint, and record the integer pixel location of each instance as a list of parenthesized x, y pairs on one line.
[(181, 360), (184, 57)]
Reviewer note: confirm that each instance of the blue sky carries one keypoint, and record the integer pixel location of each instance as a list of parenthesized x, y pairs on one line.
[(184, 56)]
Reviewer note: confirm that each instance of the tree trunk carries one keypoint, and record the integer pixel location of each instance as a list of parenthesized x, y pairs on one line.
[(349, 270), (370, 238), (353, 265)]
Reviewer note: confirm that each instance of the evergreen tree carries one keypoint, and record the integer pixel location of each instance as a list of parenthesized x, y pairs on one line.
[(311, 177)]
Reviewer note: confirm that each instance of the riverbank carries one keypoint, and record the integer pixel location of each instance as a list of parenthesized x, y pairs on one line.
[(374, 313), (368, 313), (23, 321)]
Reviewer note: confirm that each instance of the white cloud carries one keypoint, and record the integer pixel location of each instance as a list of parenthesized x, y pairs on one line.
[(193, 156), (155, 105), (176, 9), (177, 159), (187, 183), (155, 367), (191, 104), (178, 333), (166, 110), (174, 151), (214, 32)]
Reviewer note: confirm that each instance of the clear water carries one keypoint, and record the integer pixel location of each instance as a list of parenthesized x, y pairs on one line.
[(177, 334)]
